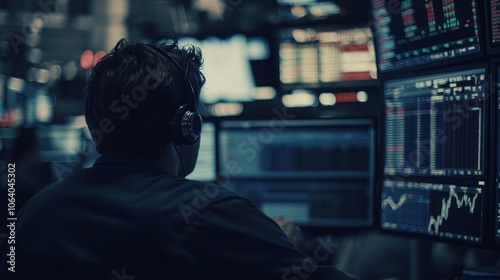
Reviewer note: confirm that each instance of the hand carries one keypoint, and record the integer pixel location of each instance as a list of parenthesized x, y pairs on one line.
[(291, 230)]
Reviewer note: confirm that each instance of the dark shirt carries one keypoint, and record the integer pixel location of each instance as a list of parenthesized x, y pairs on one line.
[(124, 218)]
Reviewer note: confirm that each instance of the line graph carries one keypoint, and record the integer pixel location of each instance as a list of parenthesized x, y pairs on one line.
[(466, 200), (394, 206), (442, 210)]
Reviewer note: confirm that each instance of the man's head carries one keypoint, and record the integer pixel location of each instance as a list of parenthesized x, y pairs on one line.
[(134, 92)]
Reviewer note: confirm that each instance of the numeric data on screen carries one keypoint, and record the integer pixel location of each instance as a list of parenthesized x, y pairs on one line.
[(435, 124)]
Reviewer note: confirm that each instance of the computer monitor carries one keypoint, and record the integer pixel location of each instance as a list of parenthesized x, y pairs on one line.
[(433, 209), (320, 173), (436, 124), (316, 56), (493, 26), (415, 34), (227, 66), (495, 86), (435, 147), (205, 169)]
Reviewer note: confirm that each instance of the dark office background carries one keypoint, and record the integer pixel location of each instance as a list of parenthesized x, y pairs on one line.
[(309, 64)]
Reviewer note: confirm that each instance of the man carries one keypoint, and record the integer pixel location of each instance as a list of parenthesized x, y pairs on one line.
[(133, 215)]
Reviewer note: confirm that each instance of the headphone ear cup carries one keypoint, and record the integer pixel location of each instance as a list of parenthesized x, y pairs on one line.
[(185, 125)]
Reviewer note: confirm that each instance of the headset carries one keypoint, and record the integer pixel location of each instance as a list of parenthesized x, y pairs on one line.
[(186, 123)]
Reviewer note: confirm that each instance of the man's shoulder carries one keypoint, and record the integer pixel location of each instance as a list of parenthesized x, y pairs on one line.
[(129, 179), (206, 191), (196, 197), (160, 186)]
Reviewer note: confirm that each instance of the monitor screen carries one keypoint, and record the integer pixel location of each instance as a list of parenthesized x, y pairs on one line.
[(227, 66), (493, 24), (303, 169), (205, 169), (315, 56), (435, 124), (416, 33), (435, 154), (433, 209)]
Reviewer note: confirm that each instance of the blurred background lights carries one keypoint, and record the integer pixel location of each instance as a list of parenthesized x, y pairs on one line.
[(43, 108), (226, 109), (55, 71), (15, 84), (37, 23), (34, 55), (87, 59), (299, 11), (31, 74), (300, 35), (34, 39), (324, 9), (258, 49), (327, 99), (214, 8), (362, 96), (42, 75), (265, 93), (299, 98), (97, 56), (70, 70), (328, 37)]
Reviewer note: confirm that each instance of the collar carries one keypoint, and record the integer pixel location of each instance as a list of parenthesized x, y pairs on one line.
[(129, 159)]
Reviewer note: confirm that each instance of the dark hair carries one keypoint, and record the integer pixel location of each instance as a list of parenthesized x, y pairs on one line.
[(134, 91)]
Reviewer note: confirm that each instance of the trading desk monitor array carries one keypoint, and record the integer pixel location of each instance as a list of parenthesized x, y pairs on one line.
[(419, 33), (435, 147), (320, 173)]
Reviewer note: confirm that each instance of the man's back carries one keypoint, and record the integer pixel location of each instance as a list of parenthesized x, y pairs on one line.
[(124, 218)]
